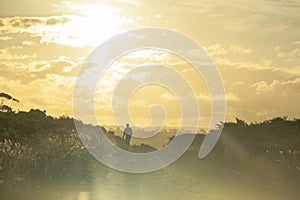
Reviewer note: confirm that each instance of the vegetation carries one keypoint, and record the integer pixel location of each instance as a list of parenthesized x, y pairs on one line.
[(276, 141), (34, 146)]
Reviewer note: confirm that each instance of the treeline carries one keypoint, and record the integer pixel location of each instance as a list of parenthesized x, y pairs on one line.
[(33, 144), (275, 141)]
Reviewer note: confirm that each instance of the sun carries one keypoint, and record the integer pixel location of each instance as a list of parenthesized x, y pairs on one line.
[(90, 25), (96, 23)]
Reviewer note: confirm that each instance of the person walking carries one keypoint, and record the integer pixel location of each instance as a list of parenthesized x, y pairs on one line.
[(127, 134)]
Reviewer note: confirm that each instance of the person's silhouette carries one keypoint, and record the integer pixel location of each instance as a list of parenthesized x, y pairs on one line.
[(127, 134)]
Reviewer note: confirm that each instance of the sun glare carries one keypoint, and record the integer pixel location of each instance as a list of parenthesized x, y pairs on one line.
[(89, 26), (96, 23)]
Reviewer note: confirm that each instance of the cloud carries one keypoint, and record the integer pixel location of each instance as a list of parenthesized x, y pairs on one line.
[(6, 55), (266, 99), (167, 96), (263, 86), (53, 93), (27, 42), (240, 49), (5, 38), (32, 8), (38, 70), (219, 50), (19, 24), (292, 55), (57, 20), (231, 97)]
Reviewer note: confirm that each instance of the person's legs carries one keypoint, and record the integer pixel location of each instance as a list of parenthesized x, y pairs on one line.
[(126, 140), (128, 137)]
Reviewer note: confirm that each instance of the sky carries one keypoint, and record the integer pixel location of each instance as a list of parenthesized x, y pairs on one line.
[(255, 45)]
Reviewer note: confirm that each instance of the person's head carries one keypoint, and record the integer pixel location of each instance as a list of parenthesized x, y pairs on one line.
[(127, 125)]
